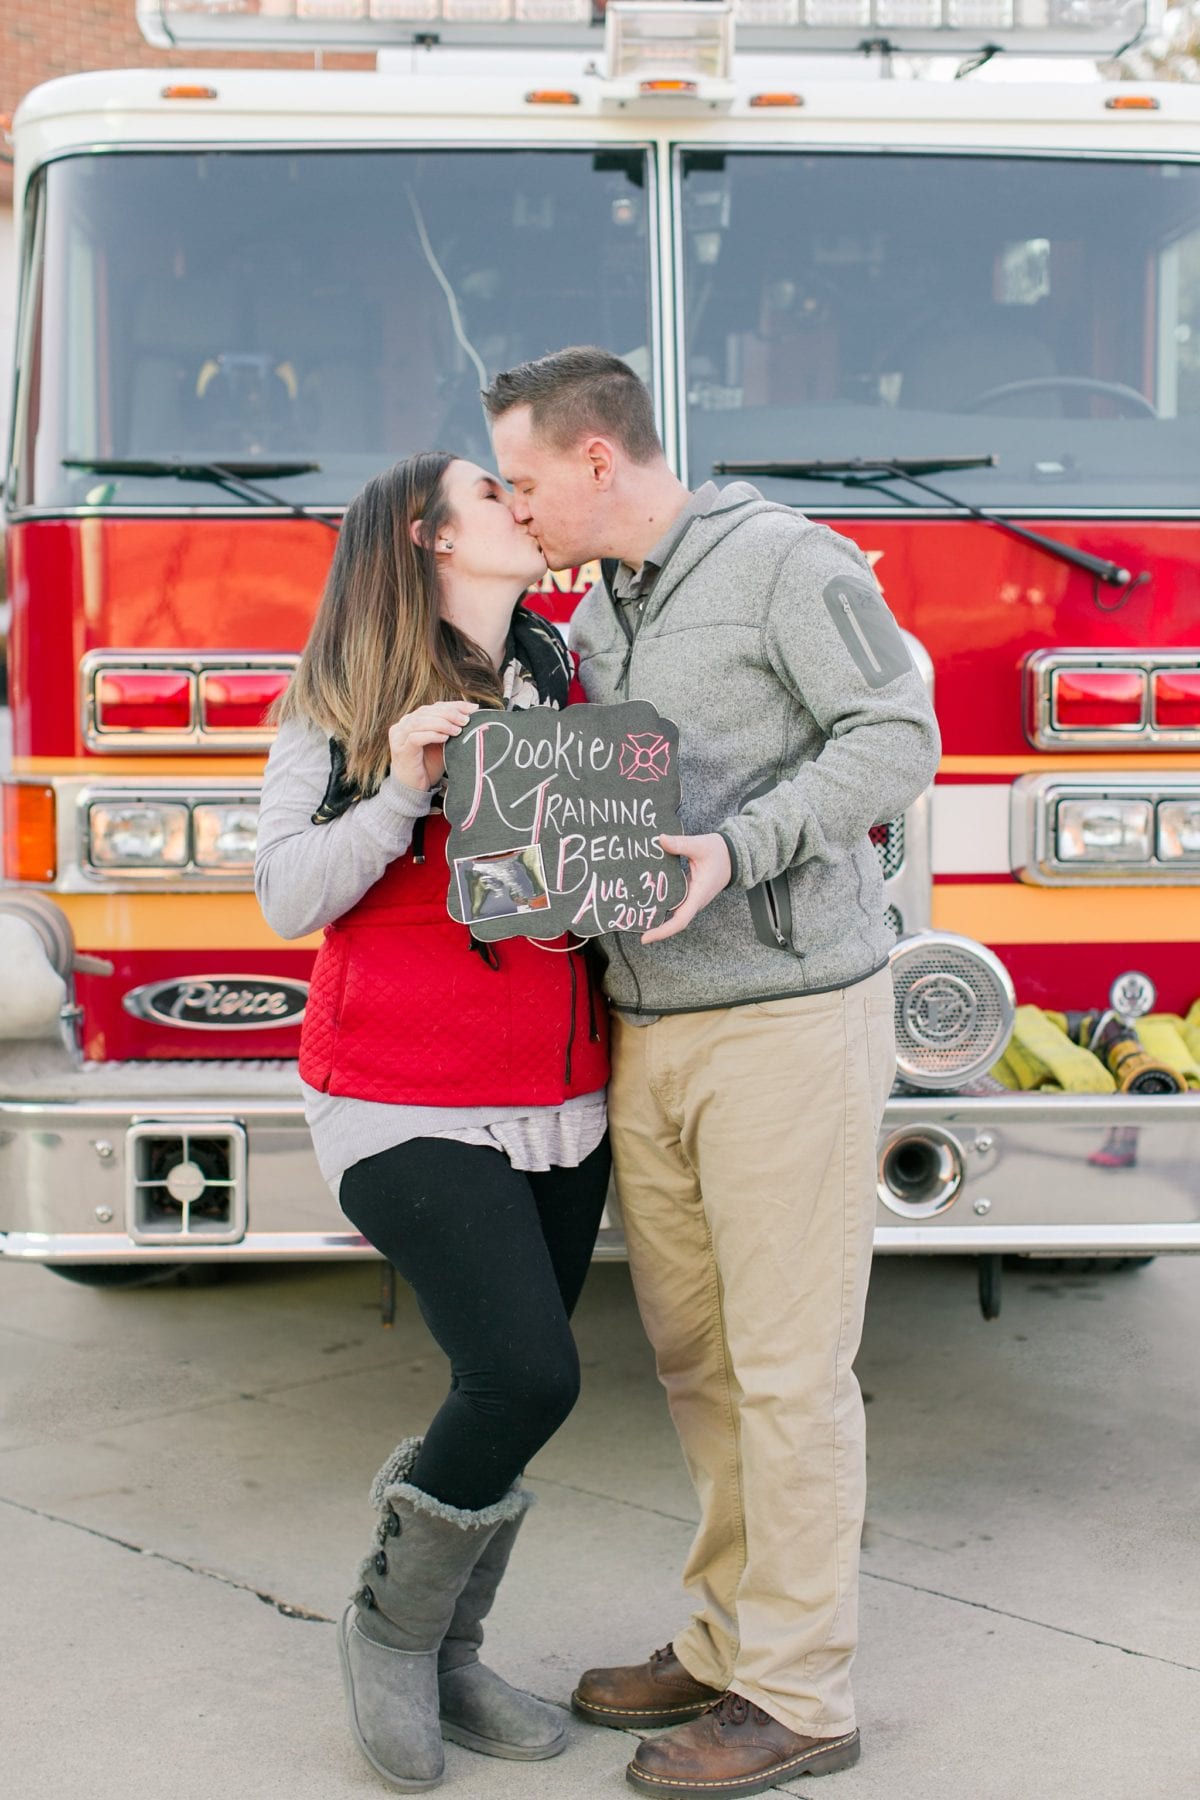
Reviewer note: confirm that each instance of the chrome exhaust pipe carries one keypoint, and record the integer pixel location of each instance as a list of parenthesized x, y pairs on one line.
[(921, 1169)]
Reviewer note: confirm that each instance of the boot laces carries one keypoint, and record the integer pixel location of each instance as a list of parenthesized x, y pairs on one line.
[(733, 1709), (663, 1655)]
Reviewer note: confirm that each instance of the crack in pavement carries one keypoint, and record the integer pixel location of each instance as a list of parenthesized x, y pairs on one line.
[(44, 1337), (225, 1398), (343, 1374), (288, 1611), (870, 1529), (1023, 1619), (895, 1581), (244, 1587), (573, 1487), (115, 1425), (283, 1607)]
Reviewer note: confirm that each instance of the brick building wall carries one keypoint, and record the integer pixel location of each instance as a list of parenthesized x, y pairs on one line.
[(40, 39)]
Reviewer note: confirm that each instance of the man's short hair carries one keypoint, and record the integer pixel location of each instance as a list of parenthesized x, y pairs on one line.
[(573, 393)]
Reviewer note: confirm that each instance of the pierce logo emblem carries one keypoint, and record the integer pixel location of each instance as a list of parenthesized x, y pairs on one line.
[(220, 1002)]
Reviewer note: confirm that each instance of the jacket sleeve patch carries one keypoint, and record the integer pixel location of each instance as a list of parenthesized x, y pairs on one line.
[(867, 629)]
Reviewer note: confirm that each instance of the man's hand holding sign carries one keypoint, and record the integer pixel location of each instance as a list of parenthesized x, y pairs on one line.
[(709, 871), (568, 822)]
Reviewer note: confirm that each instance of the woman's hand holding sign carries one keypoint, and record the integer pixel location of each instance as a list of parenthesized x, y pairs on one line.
[(709, 872), (416, 741)]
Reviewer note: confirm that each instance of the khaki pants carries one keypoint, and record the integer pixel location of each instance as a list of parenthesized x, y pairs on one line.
[(745, 1145)]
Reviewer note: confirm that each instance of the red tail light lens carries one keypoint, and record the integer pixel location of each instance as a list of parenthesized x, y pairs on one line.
[(1177, 699), (1098, 699), (237, 699), (143, 700)]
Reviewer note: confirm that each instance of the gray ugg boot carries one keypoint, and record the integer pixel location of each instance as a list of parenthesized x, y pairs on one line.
[(390, 1634), (479, 1708)]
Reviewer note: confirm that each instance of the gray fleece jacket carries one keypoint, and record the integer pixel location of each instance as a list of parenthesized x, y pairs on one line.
[(802, 722)]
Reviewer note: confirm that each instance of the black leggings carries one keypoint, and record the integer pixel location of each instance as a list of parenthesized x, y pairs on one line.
[(497, 1259)]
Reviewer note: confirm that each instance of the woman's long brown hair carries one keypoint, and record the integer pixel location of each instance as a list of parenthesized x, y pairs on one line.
[(379, 646)]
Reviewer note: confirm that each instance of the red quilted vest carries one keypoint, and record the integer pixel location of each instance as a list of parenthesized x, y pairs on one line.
[(401, 1009)]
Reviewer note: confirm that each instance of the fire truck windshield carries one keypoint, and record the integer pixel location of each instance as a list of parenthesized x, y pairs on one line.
[(321, 313), (900, 307)]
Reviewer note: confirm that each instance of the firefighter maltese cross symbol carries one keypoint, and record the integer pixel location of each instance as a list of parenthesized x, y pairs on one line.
[(645, 756)]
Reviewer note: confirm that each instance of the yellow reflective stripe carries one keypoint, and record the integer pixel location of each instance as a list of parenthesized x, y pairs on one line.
[(186, 768), (994, 912), (173, 922), (1011, 913), (1155, 765)]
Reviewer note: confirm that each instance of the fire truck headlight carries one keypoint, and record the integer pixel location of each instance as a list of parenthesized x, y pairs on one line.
[(1105, 830), (139, 835), (225, 836), (1179, 830)]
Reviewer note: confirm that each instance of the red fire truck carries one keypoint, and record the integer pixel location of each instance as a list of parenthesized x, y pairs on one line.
[(958, 319)]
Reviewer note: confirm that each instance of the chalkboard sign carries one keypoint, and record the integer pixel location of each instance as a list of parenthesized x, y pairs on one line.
[(555, 819)]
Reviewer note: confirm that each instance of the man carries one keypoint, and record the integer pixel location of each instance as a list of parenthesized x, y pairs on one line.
[(753, 1047)]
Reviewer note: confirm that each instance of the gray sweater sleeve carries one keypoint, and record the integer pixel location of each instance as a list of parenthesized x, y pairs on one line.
[(833, 643), (306, 875)]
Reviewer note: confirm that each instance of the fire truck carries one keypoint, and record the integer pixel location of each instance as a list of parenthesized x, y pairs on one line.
[(958, 319)]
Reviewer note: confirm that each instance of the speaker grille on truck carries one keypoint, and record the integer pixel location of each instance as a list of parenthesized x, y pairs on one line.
[(185, 1183)]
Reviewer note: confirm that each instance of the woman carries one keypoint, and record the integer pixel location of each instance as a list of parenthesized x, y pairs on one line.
[(455, 1090)]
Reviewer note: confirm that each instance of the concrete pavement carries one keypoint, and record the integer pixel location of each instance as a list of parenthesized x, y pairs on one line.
[(182, 1499)]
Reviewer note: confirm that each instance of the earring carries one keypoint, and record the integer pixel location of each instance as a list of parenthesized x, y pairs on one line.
[(445, 544)]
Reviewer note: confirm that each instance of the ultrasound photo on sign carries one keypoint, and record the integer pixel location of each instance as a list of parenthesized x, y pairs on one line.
[(497, 886)]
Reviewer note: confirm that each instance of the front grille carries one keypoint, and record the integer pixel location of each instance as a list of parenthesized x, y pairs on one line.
[(185, 1183), (889, 847)]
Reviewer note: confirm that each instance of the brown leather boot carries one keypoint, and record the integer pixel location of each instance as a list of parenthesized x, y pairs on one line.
[(734, 1748), (657, 1692)]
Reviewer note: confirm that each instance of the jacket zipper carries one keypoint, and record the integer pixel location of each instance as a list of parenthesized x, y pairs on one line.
[(632, 972), (343, 977), (624, 673), (593, 1021), (630, 634), (571, 1032), (861, 635), (773, 914)]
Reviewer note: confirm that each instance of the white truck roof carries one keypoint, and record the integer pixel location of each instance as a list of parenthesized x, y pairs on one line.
[(447, 101)]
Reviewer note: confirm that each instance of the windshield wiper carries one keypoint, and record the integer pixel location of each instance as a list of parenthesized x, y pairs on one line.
[(858, 471), (233, 476), (858, 465)]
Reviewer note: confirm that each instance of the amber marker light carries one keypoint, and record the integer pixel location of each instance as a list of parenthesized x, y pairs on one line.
[(188, 90), (1132, 103), (29, 847), (551, 97), (668, 87), (776, 100)]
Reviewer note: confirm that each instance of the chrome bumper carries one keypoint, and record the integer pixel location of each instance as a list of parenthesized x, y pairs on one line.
[(1040, 1174)]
